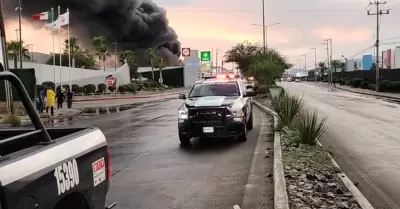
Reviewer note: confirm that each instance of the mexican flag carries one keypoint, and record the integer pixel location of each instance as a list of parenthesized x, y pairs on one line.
[(49, 15)]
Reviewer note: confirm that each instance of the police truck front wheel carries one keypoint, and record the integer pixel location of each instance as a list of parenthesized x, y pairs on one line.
[(249, 124), (184, 139), (243, 136)]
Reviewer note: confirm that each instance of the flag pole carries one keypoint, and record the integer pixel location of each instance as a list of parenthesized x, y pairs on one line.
[(69, 53), (54, 51), (59, 35)]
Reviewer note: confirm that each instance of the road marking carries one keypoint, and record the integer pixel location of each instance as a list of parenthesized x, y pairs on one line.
[(144, 154), (236, 207)]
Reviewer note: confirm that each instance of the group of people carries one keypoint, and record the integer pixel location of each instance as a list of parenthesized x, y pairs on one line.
[(50, 97)]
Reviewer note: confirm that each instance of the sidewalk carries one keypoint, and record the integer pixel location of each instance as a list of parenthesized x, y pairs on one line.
[(369, 92), (140, 94)]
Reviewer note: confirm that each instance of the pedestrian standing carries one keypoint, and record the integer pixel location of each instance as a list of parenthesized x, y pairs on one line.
[(51, 96), (70, 97), (41, 101), (60, 98)]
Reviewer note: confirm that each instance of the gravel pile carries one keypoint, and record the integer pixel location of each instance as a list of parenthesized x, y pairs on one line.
[(312, 180)]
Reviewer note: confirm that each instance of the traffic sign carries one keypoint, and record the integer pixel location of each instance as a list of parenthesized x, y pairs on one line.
[(186, 52), (110, 81), (205, 56)]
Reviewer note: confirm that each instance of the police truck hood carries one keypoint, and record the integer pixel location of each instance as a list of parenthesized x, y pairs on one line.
[(211, 101)]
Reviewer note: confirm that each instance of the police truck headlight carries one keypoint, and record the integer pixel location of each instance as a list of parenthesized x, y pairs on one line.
[(182, 114), (237, 113)]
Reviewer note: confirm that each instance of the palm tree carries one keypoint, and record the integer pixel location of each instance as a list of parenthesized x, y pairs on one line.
[(151, 55), (13, 48), (75, 48), (129, 57), (99, 43), (160, 63)]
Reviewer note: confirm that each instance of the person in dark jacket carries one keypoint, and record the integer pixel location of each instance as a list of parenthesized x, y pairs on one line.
[(60, 98), (70, 97), (41, 101)]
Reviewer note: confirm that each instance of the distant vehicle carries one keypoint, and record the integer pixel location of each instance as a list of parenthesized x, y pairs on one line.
[(55, 168), (297, 80), (216, 107), (250, 85)]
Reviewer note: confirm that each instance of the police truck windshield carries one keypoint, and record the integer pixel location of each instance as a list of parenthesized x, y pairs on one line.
[(215, 89)]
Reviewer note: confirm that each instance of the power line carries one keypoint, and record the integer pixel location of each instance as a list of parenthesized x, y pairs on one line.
[(362, 51)]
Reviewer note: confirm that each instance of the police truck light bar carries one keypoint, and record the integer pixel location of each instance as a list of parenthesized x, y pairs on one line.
[(226, 76)]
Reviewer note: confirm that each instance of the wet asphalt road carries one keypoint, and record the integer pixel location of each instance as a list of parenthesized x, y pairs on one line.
[(152, 171)]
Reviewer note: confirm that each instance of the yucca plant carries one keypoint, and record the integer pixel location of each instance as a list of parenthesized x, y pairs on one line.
[(287, 108), (307, 129)]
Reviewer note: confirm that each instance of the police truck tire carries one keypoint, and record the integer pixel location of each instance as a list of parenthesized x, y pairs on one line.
[(249, 124), (184, 140), (243, 136)]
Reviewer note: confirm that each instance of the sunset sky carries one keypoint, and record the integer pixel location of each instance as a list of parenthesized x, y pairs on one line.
[(221, 24)]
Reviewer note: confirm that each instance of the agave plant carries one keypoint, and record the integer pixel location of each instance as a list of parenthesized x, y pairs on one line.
[(287, 108), (307, 129)]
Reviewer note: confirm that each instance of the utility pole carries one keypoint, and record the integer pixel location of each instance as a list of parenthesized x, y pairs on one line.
[(379, 12), (305, 61), (298, 60), (263, 16), (315, 63), (326, 42)]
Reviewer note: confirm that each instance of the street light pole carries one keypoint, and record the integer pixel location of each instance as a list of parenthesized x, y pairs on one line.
[(305, 61), (315, 63), (264, 29)]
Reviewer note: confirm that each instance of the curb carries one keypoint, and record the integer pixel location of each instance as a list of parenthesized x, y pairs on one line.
[(361, 200), (281, 200), (364, 93), (128, 97), (44, 120)]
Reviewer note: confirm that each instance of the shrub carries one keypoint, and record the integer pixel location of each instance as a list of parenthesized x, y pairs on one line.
[(373, 86), (12, 120), (66, 87), (287, 107), (347, 83), (111, 88), (101, 87), (370, 86), (364, 84), (75, 88), (47, 84), (356, 82), (81, 89), (394, 86), (262, 90), (385, 85), (122, 89), (344, 80), (307, 129), (90, 88)]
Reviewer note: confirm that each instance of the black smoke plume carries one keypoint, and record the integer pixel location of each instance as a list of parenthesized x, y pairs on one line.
[(133, 24)]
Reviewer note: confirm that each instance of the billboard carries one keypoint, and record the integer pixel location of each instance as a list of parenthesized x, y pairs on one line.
[(387, 59), (367, 62)]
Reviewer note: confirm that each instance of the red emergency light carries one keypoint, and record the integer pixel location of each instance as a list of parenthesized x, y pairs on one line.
[(226, 76)]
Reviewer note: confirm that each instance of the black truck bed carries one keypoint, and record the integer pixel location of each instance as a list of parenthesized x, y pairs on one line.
[(14, 140)]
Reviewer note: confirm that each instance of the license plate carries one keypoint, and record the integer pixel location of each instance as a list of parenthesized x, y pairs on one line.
[(208, 129)]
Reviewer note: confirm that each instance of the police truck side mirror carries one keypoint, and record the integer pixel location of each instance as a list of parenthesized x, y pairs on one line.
[(182, 96)]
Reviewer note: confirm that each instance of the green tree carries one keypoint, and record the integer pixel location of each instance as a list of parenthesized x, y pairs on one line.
[(73, 42), (322, 67), (243, 54), (152, 56), (267, 68), (99, 43), (13, 50), (130, 58), (335, 64)]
